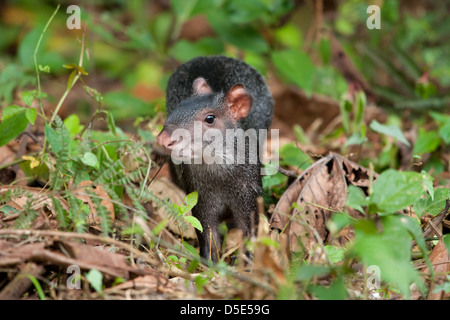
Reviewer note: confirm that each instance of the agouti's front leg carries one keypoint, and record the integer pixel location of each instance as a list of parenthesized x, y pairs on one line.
[(209, 240)]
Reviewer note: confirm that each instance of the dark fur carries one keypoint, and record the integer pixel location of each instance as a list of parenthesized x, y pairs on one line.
[(228, 191)]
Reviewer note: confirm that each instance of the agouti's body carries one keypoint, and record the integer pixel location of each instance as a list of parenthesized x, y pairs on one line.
[(212, 95)]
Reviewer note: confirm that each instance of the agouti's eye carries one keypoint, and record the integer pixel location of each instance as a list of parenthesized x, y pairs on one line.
[(210, 119)]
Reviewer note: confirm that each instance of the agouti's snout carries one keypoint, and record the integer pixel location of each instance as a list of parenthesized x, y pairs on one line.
[(165, 140)]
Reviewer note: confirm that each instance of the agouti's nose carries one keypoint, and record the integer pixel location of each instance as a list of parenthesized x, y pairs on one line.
[(164, 139)]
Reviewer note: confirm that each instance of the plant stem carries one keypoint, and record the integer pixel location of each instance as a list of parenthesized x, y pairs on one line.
[(35, 58)]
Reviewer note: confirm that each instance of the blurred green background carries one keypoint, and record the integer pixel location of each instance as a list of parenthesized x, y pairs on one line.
[(133, 46)]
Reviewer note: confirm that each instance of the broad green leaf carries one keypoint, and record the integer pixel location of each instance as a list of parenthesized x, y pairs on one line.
[(191, 200), (427, 141), (432, 206), (356, 198), (290, 36), (428, 183), (10, 111), (335, 254), (390, 250), (394, 190), (72, 124), (31, 114), (191, 249), (338, 221), (443, 121), (414, 229), (337, 291), (95, 278), (295, 66), (309, 271), (90, 159), (14, 122), (391, 130), (194, 222), (274, 179), (28, 97), (53, 138), (291, 155), (444, 131)]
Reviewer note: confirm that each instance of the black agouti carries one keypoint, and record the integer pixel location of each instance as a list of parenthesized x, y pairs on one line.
[(208, 99)]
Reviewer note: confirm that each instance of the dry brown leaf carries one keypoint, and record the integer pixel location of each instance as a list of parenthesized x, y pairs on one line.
[(39, 197), (318, 192), (440, 259), (80, 193)]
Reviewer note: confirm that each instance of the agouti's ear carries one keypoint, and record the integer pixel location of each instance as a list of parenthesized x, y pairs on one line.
[(239, 102), (201, 87)]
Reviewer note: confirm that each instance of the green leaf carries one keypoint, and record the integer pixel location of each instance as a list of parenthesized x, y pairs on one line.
[(390, 250), (53, 138), (14, 122), (95, 278), (291, 155), (70, 66), (335, 254), (338, 221), (191, 249), (28, 97), (427, 141), (45, 68), (295, 66), (337, 291), (72, 124), (309, 271), (90, 159), (391, 130), (190, 200), (273, 179), (394, 190), (31, 114), (444, 131), (356, 198), (194, 222), (432, 206), (71, 79), (290, 36), (428, 183)]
